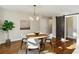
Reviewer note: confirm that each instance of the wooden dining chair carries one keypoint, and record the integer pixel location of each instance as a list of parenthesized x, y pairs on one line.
[(32, 44), (50, 39)]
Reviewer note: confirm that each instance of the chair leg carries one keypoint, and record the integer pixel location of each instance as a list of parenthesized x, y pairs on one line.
[(39, 50), (21, 43), (26, 51), (42, 44), (51, 44)]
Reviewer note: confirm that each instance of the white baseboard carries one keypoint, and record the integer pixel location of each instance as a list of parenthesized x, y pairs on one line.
[(72, 37), (11, 41)]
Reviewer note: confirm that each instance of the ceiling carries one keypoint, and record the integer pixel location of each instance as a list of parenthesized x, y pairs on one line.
[(43, 10)]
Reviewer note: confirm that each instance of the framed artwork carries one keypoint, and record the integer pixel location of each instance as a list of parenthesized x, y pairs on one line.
[(24, 24)]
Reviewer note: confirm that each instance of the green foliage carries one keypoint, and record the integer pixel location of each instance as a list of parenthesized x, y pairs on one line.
[(8, 25)]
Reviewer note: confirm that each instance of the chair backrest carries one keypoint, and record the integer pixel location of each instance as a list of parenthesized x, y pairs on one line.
[(32, 42), (50, 36)]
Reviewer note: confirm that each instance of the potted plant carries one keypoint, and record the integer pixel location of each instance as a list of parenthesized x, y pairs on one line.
[(7, 26)]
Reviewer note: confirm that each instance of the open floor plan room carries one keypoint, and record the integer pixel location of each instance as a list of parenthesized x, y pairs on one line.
[(39, 29)]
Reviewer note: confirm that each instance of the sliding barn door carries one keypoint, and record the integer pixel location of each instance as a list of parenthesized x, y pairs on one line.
[(60, 25)]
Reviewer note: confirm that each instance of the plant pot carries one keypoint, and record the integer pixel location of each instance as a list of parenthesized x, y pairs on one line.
[(8, 42)]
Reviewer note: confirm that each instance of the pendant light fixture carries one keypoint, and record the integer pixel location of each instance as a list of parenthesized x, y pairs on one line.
[(35, 17)]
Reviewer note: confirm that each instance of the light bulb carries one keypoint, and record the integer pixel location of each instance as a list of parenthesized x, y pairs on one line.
[(37, 18), (31, 18)]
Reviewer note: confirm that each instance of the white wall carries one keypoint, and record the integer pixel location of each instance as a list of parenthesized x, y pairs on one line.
[(15, 34), (50, 22), (35, 26), (78, 30), (54, 26), (44, 25)]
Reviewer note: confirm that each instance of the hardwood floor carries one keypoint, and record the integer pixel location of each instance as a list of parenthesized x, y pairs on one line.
[(64, 47), (12, 49), (58, 48)]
